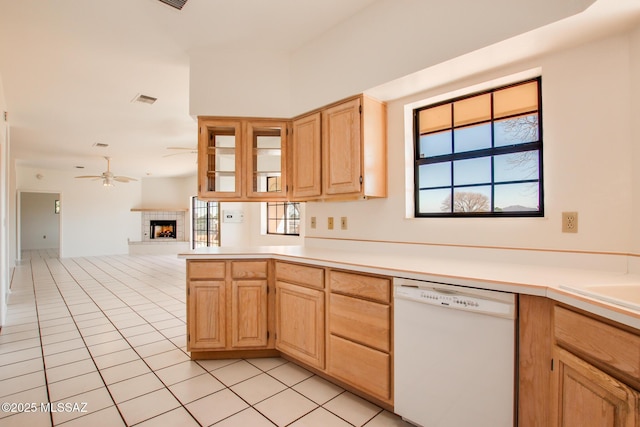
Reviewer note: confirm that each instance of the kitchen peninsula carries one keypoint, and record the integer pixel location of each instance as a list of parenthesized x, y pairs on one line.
[(311, 305)]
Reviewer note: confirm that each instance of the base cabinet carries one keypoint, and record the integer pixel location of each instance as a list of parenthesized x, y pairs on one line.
[(300, 323), (584, 396), (300, 307), (575, 369), (227, 305)]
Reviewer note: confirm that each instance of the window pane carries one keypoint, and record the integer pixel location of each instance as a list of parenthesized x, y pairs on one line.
[(472, 110), (435, 118), (515, 100), (472, 171), (517, 197), (472, 138), (435, 201), (435, 144), (516, 130), (516, 166), (472, 199), (435, 175)]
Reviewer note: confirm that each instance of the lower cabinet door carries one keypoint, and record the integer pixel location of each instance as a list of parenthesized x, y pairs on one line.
[(584, 396), (300, 323), (249, 313), (361, 366), (207, 315)]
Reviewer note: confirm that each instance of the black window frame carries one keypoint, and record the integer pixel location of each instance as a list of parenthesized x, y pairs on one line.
[(486, 152), (288, 221), (210, 212)]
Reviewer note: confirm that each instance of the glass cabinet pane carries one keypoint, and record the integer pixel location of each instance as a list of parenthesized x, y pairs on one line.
[(221, 159), (266, 159)]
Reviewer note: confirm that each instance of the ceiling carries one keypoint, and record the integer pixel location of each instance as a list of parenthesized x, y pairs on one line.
[(70, 70)]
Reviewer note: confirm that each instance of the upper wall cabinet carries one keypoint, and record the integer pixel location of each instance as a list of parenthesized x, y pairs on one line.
[(340, 151), (242, 159)]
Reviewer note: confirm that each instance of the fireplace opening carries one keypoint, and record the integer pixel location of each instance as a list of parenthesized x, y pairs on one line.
[(164, 229)]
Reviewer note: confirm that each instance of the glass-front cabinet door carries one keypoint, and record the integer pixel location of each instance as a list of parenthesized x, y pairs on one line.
[(266, 159), (220, 159)]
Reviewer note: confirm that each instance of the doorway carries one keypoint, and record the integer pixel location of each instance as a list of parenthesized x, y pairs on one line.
[(39, 225)]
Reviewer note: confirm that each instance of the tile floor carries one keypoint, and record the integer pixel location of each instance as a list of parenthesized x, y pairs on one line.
[(101, 340)]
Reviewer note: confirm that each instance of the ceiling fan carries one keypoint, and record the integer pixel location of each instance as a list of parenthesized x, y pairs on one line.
[(108, 178)]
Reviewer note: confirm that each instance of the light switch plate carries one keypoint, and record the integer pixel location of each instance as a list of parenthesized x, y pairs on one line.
[(330, 223)]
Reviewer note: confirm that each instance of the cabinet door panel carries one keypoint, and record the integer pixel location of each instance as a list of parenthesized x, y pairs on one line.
[(300, 323), (341, 139), (363, 367), (306, 153), (249, 313), (207, 315), (584, 396), (219, 159), (266, 159), (362, 321)]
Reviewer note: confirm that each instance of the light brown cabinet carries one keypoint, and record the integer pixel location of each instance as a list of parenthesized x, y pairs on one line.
[(227, 305), (242, 159), (300, 309), (339, 151), (584, 396), (576, 369), (359, 348)]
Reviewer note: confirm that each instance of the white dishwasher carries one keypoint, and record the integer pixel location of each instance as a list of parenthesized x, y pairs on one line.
[(454, 355)]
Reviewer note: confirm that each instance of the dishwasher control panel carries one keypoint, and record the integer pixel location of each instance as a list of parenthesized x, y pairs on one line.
[(451, 296)]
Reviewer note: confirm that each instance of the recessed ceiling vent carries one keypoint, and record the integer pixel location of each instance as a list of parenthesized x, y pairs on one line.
[(178, 4), (100, 145), (145, 99)]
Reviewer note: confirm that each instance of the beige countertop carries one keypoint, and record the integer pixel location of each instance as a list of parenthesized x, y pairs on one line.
[(613, 295)]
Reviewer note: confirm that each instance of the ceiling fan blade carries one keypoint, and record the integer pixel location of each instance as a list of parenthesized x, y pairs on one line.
[(89, 176), (179, 154), (123, 179)]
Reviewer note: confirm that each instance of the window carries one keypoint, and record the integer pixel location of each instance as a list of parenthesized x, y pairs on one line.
[(205, 223), (283, 218), (480, 155)]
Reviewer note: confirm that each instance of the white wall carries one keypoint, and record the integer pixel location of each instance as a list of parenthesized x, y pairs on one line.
[(239, 83), (635, 139), (588, 149), (96, 220), (6, 264), (39, 224), (168, 193)]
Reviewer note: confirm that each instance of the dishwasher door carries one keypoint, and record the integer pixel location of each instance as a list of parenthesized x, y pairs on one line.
[(454, 355)]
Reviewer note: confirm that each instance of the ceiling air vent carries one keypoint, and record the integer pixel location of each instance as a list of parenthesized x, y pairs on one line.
[(145, 99), (101, 145), (178, 4)]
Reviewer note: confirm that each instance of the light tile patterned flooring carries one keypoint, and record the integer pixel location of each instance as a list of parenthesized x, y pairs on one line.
[(109, 332)]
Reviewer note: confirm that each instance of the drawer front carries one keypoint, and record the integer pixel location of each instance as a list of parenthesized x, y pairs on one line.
[(597, 341), (363, 367), (369, 287), (249, 269), (300, 274), (362, 321), (205, 269)]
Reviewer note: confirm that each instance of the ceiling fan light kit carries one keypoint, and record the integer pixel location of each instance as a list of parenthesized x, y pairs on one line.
[(108, 178)]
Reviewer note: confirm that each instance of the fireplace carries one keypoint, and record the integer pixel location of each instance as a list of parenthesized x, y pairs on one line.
[(163, 229)]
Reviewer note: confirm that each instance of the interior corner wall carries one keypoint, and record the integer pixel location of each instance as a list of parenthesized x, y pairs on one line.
[(634, 47), (95, 220)]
